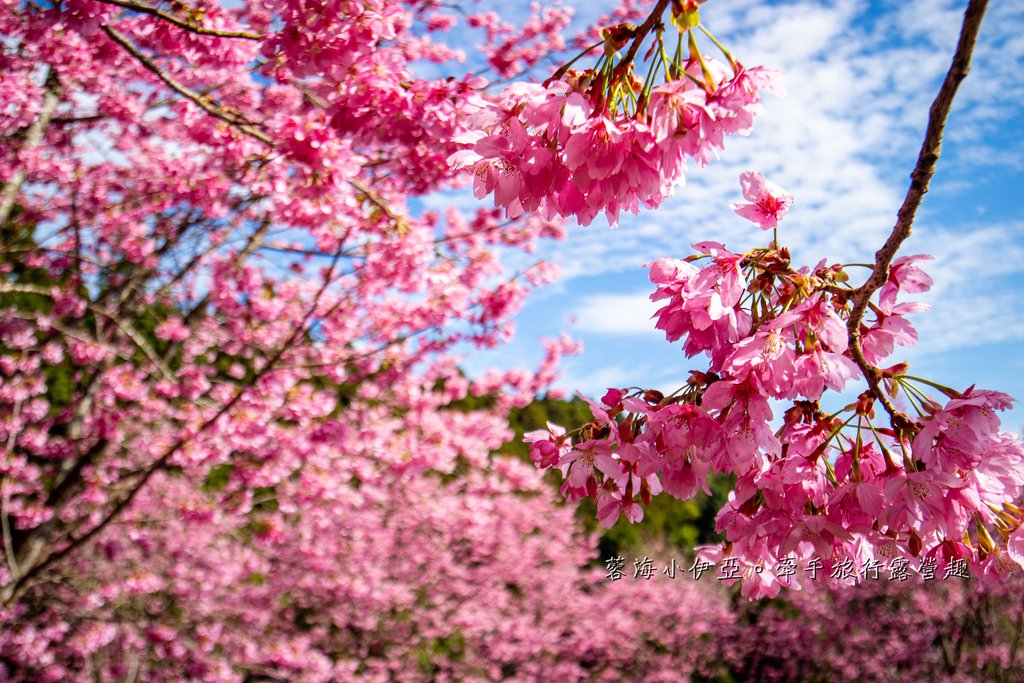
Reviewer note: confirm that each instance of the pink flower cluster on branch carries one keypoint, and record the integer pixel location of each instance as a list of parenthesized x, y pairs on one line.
[(839, 487), (510, 50), (604, 139), (228, 346)]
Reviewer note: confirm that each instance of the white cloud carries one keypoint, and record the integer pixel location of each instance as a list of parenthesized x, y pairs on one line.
[(593, 382), (617, 314)]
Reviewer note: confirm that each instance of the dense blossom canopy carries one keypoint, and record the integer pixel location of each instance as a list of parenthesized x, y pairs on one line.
[(230, 399), (237, 443)]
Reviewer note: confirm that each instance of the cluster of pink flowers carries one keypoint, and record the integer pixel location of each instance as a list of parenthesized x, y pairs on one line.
[(325, 38), (512, 49), (562, 149), (836, 487), (231, 410), (766, 202), (236, 441)]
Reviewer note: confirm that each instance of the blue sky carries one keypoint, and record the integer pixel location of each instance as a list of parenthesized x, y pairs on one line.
[(860, 77)]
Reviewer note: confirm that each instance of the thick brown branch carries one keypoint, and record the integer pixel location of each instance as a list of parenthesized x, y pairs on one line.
[(182, 24), (919, 181)]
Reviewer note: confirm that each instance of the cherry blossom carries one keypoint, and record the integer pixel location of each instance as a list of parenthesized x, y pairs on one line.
[(842, 488), (766, 202), (578, 144)]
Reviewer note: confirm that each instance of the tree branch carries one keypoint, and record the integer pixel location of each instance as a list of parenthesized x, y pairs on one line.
[(188, 26), (33, 137), (641, 34), (920, 179), (237, 121), (5, 520), (202, 102)]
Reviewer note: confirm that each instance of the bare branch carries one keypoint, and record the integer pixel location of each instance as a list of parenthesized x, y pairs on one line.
[(920, 178)]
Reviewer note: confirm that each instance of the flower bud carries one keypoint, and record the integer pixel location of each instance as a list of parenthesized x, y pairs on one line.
[(612, 398), (685, 14), (616, 37), (653, 396)]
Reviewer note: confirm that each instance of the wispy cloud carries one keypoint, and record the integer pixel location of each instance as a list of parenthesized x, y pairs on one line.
[(617, 314)]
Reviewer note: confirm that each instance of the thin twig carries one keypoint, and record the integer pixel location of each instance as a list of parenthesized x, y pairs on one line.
[(920, 178), (188, 26), (200, 101), (377, 201)]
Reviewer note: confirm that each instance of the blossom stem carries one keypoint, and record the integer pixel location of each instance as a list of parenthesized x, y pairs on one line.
[(835, 432), (913, 396), (829, 418), (652, 72), (728, 55), (709, 80), (831, 473), (878, 439), (952, 393), (562, 70), (666, 62)]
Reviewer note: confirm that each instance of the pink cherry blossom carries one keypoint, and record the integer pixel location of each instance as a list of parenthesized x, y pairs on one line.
[(766, 202)]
